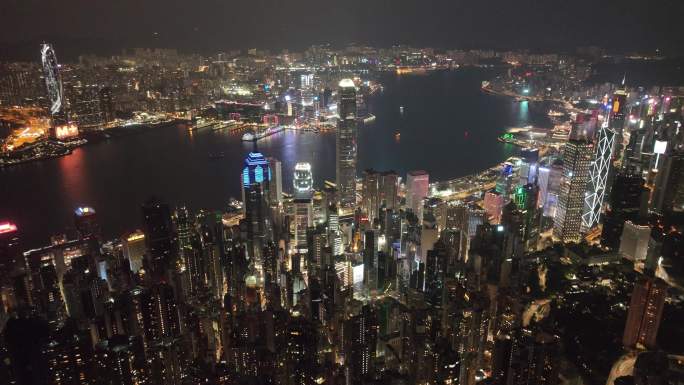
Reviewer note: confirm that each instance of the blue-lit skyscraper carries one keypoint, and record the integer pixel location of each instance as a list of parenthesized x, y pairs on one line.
[(256, 175), (256, 170)]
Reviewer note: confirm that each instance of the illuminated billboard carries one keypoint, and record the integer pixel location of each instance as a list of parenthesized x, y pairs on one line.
[(7, 227), (357, 273), (660, 147), (66, 131)]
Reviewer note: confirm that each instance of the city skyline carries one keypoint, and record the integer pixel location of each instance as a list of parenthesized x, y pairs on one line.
[(368, 215)]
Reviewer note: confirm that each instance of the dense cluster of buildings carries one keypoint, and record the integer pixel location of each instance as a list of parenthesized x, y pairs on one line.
[(98, 93), (368, 279)]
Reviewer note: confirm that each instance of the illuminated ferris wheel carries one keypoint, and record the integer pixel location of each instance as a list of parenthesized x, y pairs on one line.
[(53, 81)]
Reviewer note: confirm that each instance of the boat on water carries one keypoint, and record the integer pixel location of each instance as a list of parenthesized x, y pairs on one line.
[(202, 124), (225, 124), (252, 136), (401, 109)]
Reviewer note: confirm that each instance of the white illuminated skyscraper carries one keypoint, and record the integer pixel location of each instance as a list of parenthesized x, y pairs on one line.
[(598, 176), (303, 178)]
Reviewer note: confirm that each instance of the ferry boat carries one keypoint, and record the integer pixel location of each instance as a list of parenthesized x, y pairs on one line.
[(252, 136), (202, 124), (225, 124)]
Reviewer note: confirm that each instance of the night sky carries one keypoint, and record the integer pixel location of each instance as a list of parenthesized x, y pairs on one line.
[(211, 25)]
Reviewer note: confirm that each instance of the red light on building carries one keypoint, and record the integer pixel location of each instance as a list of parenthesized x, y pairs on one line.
[(270, 119), (65, 131), (7, 227)]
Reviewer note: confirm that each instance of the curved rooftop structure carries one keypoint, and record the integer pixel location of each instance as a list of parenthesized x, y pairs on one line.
[(256, 169), (347, 83)]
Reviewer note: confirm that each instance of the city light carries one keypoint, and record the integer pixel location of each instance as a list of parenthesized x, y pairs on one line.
[(336, 213), (66, 131), (7, 227), (84, 210)]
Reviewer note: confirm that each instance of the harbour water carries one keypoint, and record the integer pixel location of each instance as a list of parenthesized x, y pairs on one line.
[(448, 127)]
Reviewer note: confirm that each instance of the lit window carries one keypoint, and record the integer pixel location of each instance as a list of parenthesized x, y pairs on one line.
[(258, 174), (245, 177)]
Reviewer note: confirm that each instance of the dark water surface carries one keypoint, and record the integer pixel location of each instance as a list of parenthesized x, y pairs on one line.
[(449, 128)]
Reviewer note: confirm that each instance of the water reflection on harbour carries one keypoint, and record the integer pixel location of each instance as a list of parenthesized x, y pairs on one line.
[(523, 111), (74, 179)]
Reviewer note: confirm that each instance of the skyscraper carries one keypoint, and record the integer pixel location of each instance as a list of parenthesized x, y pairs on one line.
[(85, 219), (567, 224), (529, 165), (121, 360), (645, 312), (303, 178), (370, 259), (379, 188), (53, 84), (276, 184), (87, 107), (346, 138), (334, 233), (303, 204), (158, 233), (360, 333), (535, 357), (106, 104), (369, 194), (417, 186), (626, 199), (526, 200), (493, 205), (598, 175), (634, 241), (256, 175), (550, 196), (134, 250), (669, 191), (504, 183), (10, 253), (617, 120)]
